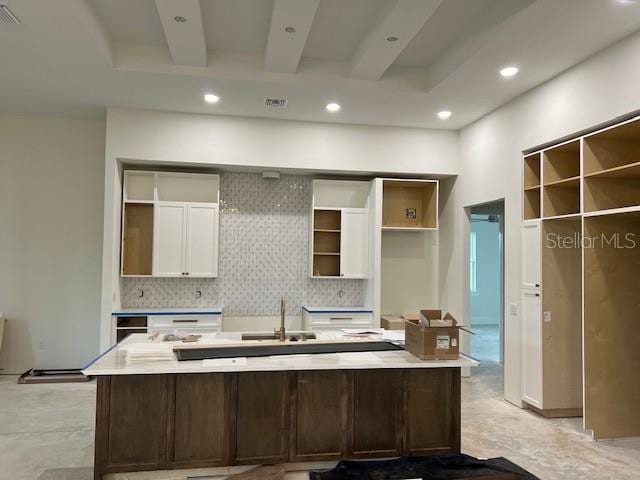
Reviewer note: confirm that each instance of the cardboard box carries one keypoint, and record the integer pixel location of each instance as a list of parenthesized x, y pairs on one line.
[(392, 322), (439, 339)]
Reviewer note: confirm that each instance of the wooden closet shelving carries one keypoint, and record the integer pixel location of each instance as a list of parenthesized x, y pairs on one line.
[(584, 287)]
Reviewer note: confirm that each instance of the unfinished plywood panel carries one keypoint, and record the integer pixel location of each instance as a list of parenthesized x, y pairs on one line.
[(562, 198), (326, 265), (410, 204), (326, 242), (562, 162), (532, 171), (603, 193), (611, 333), (616, 147), (328, 220), (562, 316), (137, 243), (531, 204)]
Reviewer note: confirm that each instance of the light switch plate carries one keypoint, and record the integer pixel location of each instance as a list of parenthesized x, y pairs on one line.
[(547, 317), (514, 309)]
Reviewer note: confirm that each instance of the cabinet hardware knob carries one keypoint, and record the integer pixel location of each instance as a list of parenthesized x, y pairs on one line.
[(537, 294), (537, 284)]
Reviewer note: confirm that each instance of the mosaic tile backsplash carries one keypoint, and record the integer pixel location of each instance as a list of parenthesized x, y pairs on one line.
[(264, 255)]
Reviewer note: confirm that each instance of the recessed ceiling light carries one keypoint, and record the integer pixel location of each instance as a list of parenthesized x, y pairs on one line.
[(509, 71), (290, 29), (392, 39), (211, 98), (179, 19), (444, 114), (333, 107)]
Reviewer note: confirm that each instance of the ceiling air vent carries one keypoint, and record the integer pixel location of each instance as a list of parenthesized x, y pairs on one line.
[(275, 102), (6, 15)]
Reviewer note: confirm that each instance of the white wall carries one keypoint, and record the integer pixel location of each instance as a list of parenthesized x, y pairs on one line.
[(51, 202), (189, 139), (601, 88)]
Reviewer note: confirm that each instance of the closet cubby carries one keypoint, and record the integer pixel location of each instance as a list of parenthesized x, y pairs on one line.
[(326, 243), (612, 168), (137, 239), (409, 204), (611, 333), (531, 204), (532, 187), (562, 163), (562, 198)]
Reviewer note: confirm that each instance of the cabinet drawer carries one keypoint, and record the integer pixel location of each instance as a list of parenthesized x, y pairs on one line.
[(184, 321), (339, 320)]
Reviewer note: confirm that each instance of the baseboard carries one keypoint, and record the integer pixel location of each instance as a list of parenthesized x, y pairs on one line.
[(557, 412)]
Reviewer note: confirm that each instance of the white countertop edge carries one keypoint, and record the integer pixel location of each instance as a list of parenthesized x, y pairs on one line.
[(167, 311), (311, 309), (267, 364)]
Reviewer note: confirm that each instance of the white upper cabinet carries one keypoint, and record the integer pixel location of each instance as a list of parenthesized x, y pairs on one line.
[(354, 242), (170, 241), (202, 241), (339, 237), (170, 224), (531, 254)]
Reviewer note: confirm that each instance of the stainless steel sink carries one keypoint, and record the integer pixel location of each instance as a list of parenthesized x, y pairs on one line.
[(293, 337)]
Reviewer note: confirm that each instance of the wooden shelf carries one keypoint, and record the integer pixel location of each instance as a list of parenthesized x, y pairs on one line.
[(532, 170), (326, 253), (327, 219), (561, 198), (615, 147), (534, 187), (531, 204), (561, 162), (407, 229), (631, 170), (137, 243), (326, 265), (320, 230), (566, 182), (410, 204)]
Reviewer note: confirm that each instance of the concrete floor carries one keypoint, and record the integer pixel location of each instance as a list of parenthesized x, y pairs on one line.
[(485, 344), (46, 433)]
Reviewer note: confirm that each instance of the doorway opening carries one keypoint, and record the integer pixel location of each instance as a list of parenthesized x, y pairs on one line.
[(486, 282)]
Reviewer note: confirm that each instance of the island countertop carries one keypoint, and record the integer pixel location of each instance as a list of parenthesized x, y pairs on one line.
[(114, 361)]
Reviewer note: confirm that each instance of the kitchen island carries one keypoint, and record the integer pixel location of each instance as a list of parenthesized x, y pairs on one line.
[(165, 414)]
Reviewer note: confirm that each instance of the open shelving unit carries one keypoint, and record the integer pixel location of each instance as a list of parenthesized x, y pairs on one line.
[(612, 168), (589, 335), (409, 204), (561, 180), (531, 186), (326, 243)]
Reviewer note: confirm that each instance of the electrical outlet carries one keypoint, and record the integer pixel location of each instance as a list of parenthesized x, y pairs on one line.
[(198, 294), (341, 293), (514, 309)]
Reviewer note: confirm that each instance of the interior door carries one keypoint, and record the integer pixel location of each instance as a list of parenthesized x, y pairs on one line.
[(202, 241), (531, 254), (169, 240), (532, 336), (354, 243)]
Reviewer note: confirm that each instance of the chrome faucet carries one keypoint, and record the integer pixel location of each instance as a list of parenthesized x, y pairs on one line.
[(282, 333)]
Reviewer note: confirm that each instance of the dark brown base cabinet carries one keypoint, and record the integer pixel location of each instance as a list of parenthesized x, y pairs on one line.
[(157, 422)]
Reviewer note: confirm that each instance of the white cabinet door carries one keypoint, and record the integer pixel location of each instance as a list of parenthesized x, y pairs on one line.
[(532, 352), (531, 254), (202, 241), (354, 243), (169, 240)]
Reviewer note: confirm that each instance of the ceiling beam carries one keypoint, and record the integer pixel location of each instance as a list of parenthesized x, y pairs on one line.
[(400, 20), (185, 38), (284, 49)]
